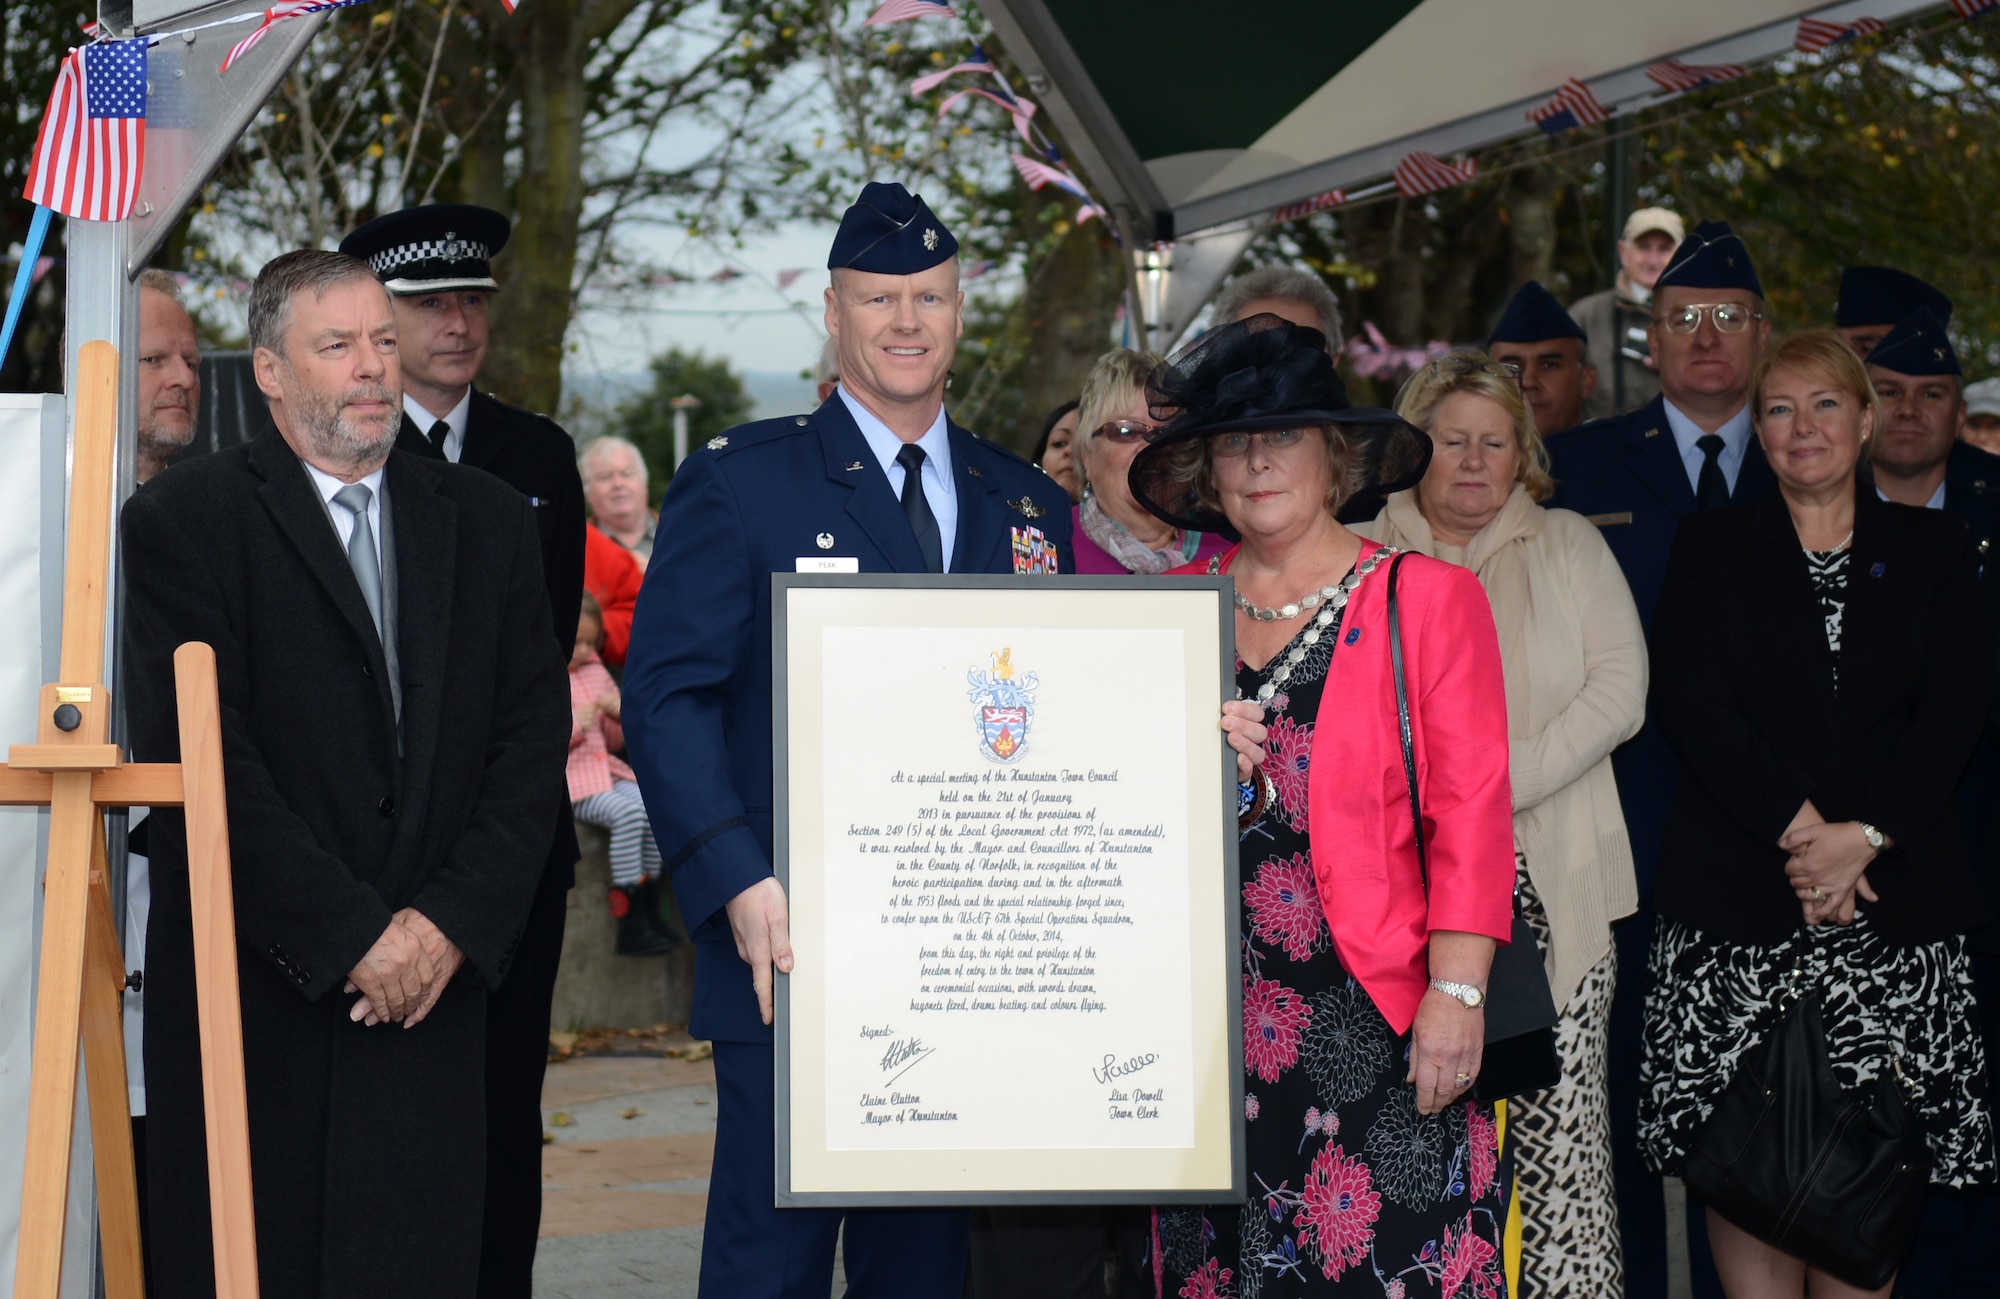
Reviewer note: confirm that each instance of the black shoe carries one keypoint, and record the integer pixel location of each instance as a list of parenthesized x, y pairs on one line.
[(635, 935), (647, 900)]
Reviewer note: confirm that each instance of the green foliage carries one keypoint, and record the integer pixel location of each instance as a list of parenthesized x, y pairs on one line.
[(648, 420), (34, 34)]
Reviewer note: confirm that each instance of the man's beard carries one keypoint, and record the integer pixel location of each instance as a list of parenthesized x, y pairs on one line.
[(339, 441), (161, 437)]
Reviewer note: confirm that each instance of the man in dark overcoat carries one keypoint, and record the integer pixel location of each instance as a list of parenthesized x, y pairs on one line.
[(436, 261), (395, 724), (1636, 476), (877, 480)]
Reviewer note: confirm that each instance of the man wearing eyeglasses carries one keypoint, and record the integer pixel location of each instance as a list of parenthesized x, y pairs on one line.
[(1637, 476)]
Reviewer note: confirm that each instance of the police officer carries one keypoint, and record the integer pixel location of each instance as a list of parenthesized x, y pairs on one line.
[(437, 263), (1547, 348), (1873, 299), (877, 480), (1637, 476)]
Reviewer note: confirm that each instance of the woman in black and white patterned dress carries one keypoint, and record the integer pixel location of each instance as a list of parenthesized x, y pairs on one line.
[(1822, 661)]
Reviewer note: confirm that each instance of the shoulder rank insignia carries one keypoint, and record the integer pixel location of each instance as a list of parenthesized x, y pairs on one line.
[(1027, 508), (716, 444)]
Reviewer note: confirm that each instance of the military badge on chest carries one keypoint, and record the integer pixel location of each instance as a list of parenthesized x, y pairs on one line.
[(1033, 551)]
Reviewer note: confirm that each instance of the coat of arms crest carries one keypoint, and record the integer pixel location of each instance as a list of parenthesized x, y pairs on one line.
[(1006, 707)]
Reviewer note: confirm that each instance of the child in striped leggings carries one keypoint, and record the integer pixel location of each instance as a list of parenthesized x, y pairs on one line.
[(604, 792)]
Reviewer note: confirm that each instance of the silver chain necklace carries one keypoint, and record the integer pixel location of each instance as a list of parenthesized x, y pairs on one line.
[(1332, 598)]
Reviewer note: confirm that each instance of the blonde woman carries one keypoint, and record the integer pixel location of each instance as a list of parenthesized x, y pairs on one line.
[(1114, 533), (1574, 658)]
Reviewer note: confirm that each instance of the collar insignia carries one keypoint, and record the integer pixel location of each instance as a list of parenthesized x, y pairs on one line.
[(973, 471), (716, 444), (854, 466), (1027, 508)]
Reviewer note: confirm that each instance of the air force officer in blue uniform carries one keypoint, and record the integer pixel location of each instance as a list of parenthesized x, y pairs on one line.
[(1637, 476), (877, 480)]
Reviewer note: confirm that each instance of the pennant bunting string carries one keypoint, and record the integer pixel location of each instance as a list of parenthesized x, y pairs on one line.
[(1816, 35), (1573, 106)]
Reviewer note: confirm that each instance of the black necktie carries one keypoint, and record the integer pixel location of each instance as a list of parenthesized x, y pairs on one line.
[(917, 509), (1711, 490), (439, 432)]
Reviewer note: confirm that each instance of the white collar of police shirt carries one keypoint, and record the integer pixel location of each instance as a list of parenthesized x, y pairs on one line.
[(458, 416)]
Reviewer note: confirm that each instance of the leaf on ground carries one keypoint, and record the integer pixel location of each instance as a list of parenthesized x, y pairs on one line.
[(559, 1119), (548, 1137), (632, 1113)]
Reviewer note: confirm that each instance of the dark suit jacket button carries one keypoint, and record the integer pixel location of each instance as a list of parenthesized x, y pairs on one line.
[(387, 807), (368, 672)]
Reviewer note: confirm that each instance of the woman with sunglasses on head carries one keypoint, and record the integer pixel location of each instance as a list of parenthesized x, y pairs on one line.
[(1371, 1169), (1113, 532), (1575, 664)]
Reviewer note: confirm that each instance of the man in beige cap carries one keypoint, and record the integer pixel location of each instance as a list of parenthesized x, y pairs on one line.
[(1616, 319), (1982, 415)]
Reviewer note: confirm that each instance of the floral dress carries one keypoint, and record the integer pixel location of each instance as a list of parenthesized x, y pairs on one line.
[(1352, 1191)]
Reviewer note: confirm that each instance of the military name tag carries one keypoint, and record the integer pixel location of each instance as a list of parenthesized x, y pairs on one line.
[(828, 564), (1610, 520)]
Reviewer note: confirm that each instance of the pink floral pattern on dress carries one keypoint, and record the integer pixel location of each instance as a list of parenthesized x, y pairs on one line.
[(1471, 1265), (1482, 1134), (1209, 1281), (1273, 1018), (1337, 1216), (1289, 749), (1284, 906)]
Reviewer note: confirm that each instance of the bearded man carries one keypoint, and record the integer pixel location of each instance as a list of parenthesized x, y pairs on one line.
[(395, 724)]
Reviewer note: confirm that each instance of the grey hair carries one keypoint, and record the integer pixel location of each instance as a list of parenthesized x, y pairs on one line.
[(594, 449), (1292, 283), (1111, 380), (828, 369), (160, 281), (286, 276)]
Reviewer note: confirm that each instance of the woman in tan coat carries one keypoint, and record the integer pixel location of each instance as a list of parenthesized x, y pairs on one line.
[(1574, 657)]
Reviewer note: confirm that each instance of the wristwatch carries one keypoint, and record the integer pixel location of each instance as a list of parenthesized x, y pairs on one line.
[(1874, 837), (1465, 992)]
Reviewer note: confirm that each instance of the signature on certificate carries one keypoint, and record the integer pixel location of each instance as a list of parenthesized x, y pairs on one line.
[(903, 1055), (1113, 1067)]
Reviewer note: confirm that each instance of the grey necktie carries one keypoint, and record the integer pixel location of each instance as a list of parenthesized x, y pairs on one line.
[(361, 556)]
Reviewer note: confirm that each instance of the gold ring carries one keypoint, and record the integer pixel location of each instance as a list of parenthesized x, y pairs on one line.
[(1819, 894), (1464, 1079)]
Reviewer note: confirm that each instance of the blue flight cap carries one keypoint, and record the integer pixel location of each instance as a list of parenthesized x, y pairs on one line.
[(1918, 347), (1532, 316), (890, 231), (1711, 257), (1877, 295)]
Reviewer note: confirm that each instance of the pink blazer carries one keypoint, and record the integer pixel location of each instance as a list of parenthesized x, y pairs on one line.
[(1364, 852)]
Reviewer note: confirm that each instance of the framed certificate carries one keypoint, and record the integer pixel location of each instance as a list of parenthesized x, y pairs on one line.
[(1006, 823)]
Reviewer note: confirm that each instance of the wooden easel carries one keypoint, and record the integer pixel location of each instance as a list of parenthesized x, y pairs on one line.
[(75, 771)]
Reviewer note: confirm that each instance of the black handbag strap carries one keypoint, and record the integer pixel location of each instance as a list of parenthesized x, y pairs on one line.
[(1403, 723)]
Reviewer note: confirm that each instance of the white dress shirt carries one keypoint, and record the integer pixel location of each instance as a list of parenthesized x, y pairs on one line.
[(936, 442), (457, 416), (1936, 502), (1735, 435), (343, 520)]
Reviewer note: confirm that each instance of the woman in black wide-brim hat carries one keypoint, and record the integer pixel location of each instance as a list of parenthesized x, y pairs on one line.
[(1372, 1171)]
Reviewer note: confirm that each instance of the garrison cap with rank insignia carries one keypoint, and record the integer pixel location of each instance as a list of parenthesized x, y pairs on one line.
[(1879, 295), (1918, 347), (890, 231), (430, 248), (1534, 316), (1711, 257)]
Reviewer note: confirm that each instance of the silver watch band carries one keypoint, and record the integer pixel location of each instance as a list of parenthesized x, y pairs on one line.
[(1464, 992)]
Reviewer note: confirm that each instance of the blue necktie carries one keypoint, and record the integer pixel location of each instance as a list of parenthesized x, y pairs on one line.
[(917, 508)]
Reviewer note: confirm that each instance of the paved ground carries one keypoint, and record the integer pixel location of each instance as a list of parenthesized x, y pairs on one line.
[(623, 1198)]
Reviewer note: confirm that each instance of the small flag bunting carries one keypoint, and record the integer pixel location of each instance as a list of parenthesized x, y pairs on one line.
[(902, 11), (1974, 8), (979, 268), (1572, 106), (1039, 174), (1426, 173), (273, 16), (787, 278), (725, 275), (92, 147), (978, 62), (1816, 35), (1673, 75), (1306, 207), (1021, 110)]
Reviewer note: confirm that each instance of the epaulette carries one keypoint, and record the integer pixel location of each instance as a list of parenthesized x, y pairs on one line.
[(989, 445), (762, 433), (523, 411)]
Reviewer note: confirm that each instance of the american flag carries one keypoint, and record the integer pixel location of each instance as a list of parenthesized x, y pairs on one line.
[(1321, 202), (1974, 8), (901, 11), (1426, 173), (1672, 74), (789, 277), (986, 265), (1038, 174), (1816, 35), (978, 62), (1021, 110), (1572, 106), (92, 146), (277, 13)]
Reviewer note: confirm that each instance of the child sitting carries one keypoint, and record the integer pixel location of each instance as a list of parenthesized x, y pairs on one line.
[(604, 792)]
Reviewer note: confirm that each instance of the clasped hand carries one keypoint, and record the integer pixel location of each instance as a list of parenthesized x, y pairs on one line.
[(404, 974), (1828, 869)]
